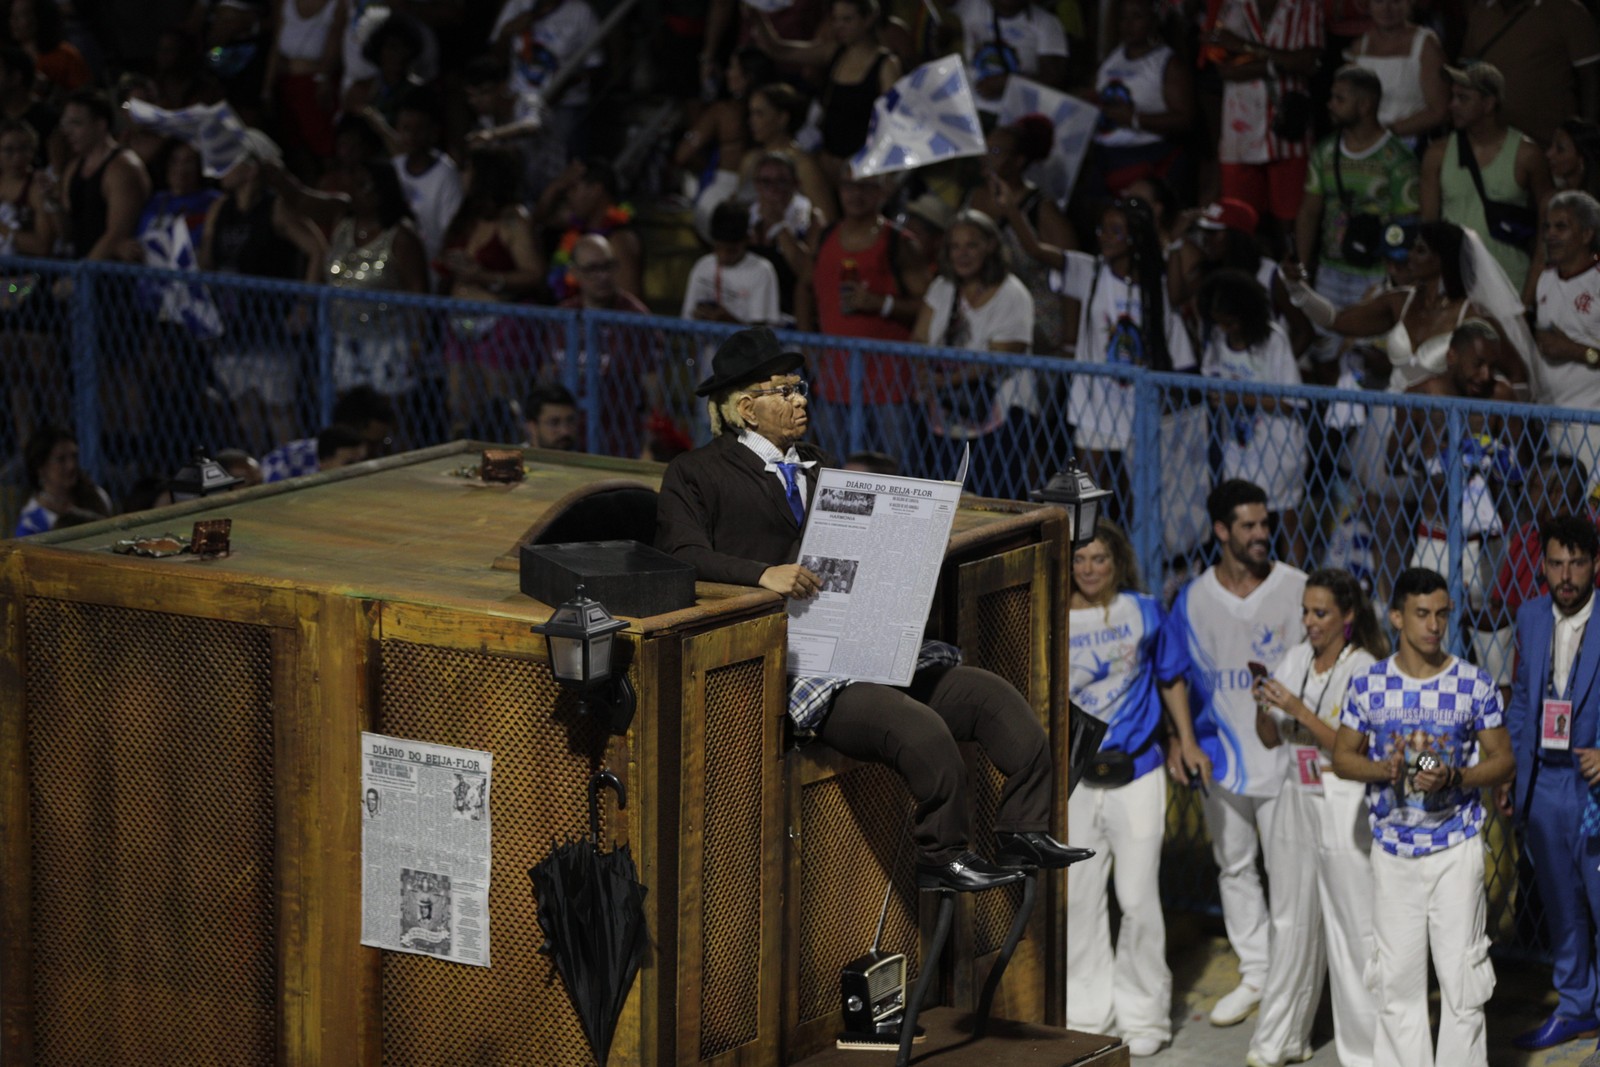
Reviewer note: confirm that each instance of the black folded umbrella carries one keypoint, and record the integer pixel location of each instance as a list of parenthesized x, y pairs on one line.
[(591, 909)]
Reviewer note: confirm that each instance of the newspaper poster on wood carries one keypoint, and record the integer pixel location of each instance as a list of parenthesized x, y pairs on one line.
[(425, 848), (876, 542)]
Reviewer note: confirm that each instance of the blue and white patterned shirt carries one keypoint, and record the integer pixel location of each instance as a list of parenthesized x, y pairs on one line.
[(1442, 715), (297, 458)]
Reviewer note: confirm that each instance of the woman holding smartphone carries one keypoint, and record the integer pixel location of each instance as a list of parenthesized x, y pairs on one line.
[(1317, 859), (1121, 805)]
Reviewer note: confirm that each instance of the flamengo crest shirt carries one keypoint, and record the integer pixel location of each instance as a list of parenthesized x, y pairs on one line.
[(1442, 715)]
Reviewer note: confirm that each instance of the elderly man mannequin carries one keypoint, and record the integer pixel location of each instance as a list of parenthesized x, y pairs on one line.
[(735, 508)]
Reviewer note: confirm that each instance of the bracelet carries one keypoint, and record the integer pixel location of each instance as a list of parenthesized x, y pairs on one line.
[(888, 307)]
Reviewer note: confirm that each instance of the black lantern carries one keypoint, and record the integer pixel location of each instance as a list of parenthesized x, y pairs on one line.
[(581, 637), (201, 476), (1084, 501)]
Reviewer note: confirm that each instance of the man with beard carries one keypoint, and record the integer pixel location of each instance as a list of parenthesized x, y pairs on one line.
[(1234, 621), (1359, 177), (1551, 719)]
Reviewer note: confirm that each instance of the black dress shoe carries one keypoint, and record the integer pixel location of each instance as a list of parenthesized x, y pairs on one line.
[(967, 873), (1035, 849)]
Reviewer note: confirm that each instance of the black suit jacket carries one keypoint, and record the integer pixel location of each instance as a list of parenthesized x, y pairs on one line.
[(724, 513)]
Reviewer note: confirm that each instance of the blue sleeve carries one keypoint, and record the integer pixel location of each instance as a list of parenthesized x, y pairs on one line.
[(1520, 708), (1172, 649)]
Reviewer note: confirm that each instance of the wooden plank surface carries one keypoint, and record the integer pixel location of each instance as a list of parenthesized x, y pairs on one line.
[(406, 529), (950, 1044)]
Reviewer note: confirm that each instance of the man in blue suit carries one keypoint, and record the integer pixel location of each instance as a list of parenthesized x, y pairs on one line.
[(1552, 719)]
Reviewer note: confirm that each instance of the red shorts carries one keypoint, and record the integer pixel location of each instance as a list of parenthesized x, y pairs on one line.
[(1280, 185)]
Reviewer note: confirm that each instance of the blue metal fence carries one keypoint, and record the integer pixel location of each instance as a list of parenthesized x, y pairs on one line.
[(146, 366)]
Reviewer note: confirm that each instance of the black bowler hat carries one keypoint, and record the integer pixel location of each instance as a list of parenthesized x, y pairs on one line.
[(748, 356)]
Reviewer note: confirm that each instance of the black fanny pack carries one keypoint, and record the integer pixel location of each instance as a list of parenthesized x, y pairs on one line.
[(1362, 245), (1512, 224), (1110, 767)]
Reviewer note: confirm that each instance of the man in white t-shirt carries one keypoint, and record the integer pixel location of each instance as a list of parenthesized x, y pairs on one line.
[(431, 180), (1231, 624), (1030, 43), (1427, 734), (731, 284), (1568, 324)]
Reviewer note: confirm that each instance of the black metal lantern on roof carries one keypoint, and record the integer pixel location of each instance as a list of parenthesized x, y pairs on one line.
[(1083, 500), (201, 476), (581, 639)]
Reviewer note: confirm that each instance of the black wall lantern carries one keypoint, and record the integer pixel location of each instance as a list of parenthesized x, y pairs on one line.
[(1083, 500), (581, 638)]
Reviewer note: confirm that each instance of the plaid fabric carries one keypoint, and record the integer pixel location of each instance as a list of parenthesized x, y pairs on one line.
[(290, 460), (810, 696)]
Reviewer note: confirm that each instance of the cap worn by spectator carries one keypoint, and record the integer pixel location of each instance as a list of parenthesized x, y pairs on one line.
[(1480, 77), (931, 208), (1229, 214), (1398, 236)]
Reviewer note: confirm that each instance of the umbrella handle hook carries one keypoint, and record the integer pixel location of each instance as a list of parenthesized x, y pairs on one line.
[(596, 783)]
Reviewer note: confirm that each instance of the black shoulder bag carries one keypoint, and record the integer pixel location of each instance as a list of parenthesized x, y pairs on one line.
[(1363, 231), (1510, 224)]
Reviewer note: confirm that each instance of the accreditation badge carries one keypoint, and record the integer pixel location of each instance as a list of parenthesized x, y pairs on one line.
[(1308, 768), (1555, 725)]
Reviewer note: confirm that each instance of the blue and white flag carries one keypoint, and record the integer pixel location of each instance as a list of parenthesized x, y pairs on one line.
[(186, 303), (771, 7), (213, 129), (928, 116), (1074, 121)]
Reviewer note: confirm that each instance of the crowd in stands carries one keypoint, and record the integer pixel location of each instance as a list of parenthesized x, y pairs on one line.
[(1222, 221)]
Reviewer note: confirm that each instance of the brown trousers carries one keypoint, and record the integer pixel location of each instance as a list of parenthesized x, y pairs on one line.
[(916, 731)]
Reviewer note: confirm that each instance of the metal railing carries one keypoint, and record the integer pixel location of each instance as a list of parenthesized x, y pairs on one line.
[(146, 366)]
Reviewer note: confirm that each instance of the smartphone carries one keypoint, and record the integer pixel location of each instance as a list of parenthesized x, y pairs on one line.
[(1258, 671)]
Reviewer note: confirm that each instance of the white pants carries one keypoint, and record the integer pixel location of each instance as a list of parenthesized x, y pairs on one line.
[(1296, 962), (1237, 824), (1430, 903), (1124, 826), (1344, 881)]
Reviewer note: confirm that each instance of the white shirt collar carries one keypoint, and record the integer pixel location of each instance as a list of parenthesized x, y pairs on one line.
[(768, 452)]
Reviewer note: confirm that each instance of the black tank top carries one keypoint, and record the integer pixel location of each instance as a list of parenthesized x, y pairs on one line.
[(847, 109), (245, 242), (87, 222)]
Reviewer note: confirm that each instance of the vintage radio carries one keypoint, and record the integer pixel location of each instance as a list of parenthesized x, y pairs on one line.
[(873, 991)]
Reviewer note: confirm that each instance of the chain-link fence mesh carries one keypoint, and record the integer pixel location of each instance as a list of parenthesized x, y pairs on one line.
[(147, 366)]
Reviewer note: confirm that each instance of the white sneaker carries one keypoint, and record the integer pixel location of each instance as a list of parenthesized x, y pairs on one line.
[(1144, 1046), (1252, 1060), (1236, 1006)]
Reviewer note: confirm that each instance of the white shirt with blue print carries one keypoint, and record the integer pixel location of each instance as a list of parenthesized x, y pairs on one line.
[(1212, 636), (1114, 652), (1442, 716)]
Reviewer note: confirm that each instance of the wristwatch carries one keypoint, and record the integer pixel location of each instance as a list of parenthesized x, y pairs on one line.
[(1591, 356)]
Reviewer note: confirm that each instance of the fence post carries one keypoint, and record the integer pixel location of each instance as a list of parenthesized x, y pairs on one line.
[(85, 365), (591, 385), (1453, 451), (857, 374), (1144, 511), (325, 389)]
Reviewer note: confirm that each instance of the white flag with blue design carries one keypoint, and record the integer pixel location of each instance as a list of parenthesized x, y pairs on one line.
[(1074, 122), (771, 7), (212, 129), (183, 302), (928, 116)]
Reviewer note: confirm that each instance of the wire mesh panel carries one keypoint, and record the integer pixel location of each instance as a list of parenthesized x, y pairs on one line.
[(731, 901), (854, 831), (730, 847), (154, 909), (517, 1011)]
